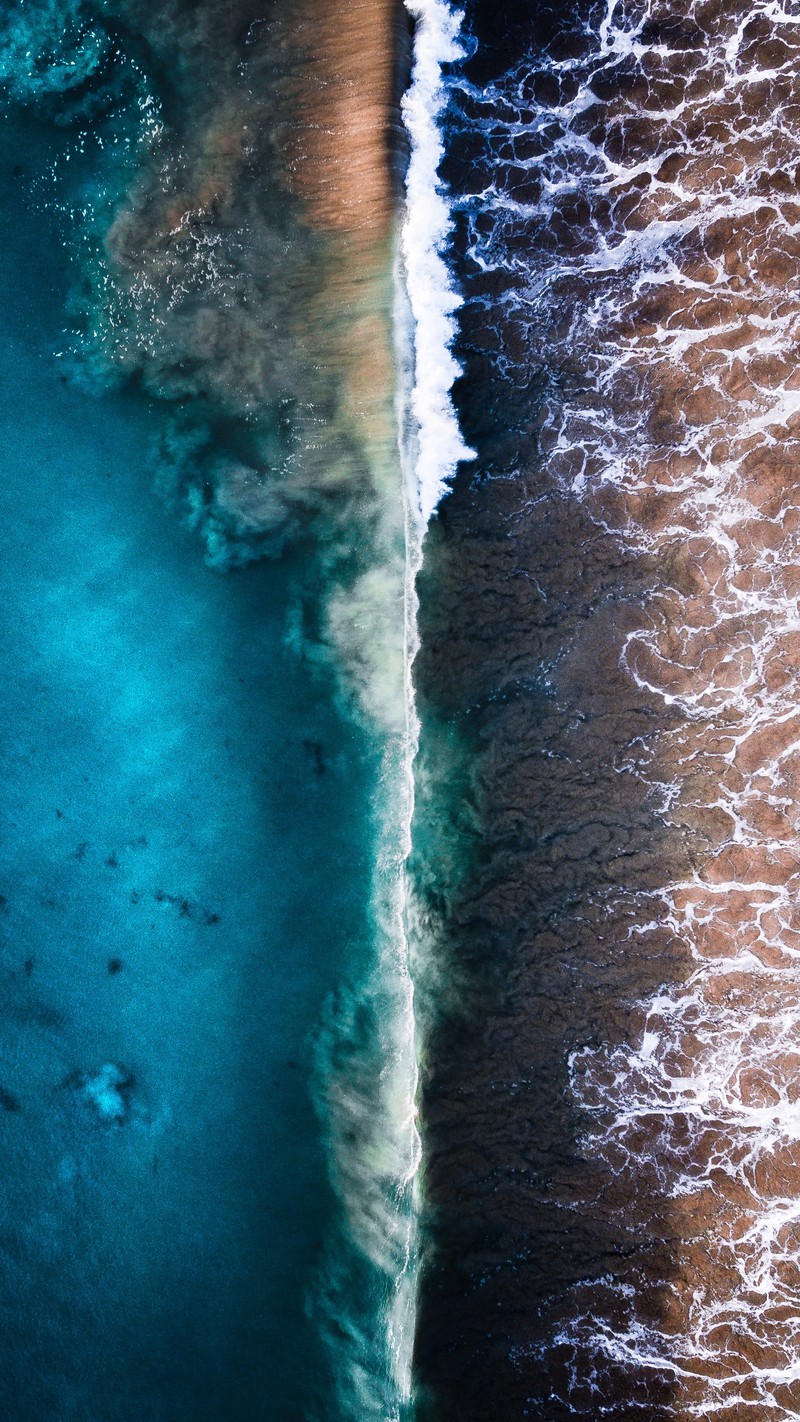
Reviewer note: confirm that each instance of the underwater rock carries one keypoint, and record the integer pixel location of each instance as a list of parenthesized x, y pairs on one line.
[(316, 751)]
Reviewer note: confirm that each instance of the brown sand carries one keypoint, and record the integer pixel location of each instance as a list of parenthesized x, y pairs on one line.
[(344, 111), (339, 143)]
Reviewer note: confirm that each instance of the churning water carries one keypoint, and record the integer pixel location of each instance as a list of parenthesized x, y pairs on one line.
[(628, 217)]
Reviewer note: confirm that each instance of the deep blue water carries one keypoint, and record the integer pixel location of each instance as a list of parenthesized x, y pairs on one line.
[(184, 864)]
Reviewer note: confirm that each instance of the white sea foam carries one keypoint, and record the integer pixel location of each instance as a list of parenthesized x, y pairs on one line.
[(430, 447), (704, 1101), (431, 295)]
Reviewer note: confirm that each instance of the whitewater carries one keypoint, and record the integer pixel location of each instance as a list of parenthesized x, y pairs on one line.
[(430, 449), (642, 219)]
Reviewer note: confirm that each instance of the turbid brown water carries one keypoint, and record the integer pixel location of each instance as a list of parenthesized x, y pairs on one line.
[(251, 261), (347, 125), (613, 1133)]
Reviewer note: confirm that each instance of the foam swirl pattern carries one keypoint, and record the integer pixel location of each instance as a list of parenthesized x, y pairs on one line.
[(632, 235)]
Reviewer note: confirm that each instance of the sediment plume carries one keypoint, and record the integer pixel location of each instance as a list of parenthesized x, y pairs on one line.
[(344, 149), (611, 1104), (345, 152), (235, 256)]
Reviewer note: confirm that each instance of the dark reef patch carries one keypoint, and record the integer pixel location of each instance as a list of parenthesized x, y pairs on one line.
[(8, 1101)]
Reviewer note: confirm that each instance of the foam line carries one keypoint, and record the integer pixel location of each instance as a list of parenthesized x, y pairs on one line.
[(431, 295)]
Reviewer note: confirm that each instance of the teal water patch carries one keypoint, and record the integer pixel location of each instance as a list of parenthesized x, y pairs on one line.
[(184, 863)]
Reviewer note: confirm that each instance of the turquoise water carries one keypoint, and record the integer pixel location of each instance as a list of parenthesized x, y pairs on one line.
[(185, 861)]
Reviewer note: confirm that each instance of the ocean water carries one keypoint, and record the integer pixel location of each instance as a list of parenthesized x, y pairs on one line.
[(186, 872), (607, 692), (224, 383)]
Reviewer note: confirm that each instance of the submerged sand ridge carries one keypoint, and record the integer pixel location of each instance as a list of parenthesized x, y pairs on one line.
[(646, 236), (341, 152), (339, 144)]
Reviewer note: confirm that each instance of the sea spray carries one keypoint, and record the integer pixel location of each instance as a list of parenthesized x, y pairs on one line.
[(431, 445)]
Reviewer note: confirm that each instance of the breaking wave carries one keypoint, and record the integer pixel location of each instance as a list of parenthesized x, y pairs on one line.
[(426, 227)]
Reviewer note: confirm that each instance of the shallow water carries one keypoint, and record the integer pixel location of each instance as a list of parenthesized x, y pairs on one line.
[(610, 634), (185, 863)]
